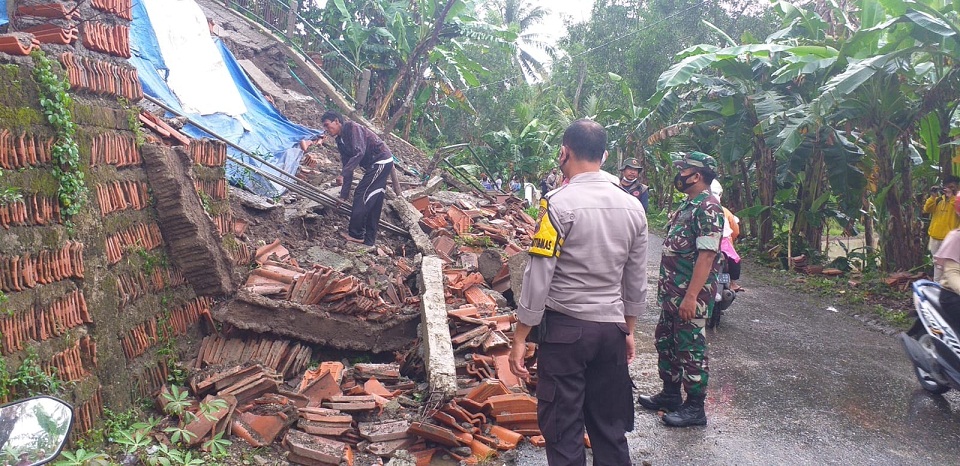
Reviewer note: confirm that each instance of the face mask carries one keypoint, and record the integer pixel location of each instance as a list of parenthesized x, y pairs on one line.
[(682, 185), (628, 180)]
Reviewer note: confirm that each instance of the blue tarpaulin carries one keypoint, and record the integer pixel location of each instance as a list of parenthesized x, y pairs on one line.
[(261, 129), (4, 19)]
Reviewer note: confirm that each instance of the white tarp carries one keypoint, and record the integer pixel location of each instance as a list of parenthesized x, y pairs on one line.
[(197, 72)]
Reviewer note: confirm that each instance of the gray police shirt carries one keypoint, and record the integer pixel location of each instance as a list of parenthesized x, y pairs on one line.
[(600, 271)]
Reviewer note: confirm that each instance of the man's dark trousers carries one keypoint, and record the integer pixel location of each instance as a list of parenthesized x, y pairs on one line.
[(368, 202), (583, 381)]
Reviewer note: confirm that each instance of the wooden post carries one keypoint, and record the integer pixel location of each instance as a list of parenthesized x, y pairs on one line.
[(790, 247), (292, 18)]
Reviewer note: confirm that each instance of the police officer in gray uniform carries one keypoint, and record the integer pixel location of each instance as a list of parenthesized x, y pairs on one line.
[(584, 286)]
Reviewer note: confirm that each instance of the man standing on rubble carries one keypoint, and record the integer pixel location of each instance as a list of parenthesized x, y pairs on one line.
[(584, 287), (359, 146)]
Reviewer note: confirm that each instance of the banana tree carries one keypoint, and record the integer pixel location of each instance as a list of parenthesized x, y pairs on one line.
[(527, 152), (883, 97)]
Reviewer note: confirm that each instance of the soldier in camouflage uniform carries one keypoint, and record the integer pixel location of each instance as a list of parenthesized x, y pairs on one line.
[(686, 293)]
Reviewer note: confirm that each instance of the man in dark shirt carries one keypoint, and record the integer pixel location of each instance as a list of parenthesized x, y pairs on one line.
[(360, 147), (630, 182)]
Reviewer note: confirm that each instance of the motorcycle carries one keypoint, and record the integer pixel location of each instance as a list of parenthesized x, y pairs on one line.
[(725, 295), (34, 431), (932, 344)]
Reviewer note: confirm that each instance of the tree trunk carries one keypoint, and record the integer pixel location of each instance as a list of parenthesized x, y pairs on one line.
[(946, 152), (412, 64), (808, 223), (901, 246), (576, 95), (748, 196), (869, 237), (408, 125), (407, 104), (766, 180)]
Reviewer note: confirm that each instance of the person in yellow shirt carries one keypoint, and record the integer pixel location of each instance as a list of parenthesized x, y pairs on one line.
[(943, 218)]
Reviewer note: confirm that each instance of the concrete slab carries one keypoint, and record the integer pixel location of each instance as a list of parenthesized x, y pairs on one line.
[(517, 263), (310, 324), (435, 331), (318, 255), (268, 86)]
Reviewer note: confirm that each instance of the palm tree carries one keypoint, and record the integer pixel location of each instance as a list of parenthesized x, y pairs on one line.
[(524, 16)]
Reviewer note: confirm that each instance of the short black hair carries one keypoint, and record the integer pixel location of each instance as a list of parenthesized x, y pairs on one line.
[(587, 139), (330, 115), (707, 174), (951, 179)]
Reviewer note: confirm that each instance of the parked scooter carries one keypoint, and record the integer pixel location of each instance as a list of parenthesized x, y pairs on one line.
[(34, 431), (725, 295), (932, 344)]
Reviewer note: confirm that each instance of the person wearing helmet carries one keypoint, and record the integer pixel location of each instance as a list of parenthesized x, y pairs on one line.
[(686, 293), (940, 205), (630, 182), (731, 230), (947, 257)]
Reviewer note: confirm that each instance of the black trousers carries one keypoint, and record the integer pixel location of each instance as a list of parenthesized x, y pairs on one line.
[(368, 203), (733, 268), (584, 382)]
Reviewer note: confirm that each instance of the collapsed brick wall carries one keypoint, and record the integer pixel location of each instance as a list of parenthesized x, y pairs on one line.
[(99, 303)]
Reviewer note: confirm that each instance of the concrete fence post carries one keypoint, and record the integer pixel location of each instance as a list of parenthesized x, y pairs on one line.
[(292, 18)]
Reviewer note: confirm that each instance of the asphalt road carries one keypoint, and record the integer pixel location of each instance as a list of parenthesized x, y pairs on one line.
[(793, 382)]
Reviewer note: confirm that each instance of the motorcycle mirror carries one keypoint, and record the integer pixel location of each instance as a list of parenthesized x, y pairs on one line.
[(34, 431)]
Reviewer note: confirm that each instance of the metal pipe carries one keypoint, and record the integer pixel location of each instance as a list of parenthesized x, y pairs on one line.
[(305, 189)]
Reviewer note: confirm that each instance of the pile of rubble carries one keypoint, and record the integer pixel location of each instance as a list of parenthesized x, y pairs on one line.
[(336, 413), (279, 276), (332, 413)]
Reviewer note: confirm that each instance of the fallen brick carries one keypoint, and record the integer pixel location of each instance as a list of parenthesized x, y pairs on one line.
[(374, 387), (317, 448), (388, 448), (434, 433), (390, 372), (384, 431), (321, 389), (506, 438)]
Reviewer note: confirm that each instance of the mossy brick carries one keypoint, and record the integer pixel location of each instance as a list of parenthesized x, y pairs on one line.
[(31, 181), (19, 240), (209, 173), (19, 96), (91, 114)]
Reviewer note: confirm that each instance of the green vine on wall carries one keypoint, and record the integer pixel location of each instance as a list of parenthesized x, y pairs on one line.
[(56, 103)]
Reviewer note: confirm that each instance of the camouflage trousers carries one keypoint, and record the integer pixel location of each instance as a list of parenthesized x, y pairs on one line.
[(682, 348)]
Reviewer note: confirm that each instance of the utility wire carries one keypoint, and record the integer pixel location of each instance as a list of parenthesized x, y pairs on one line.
[(595, 48)]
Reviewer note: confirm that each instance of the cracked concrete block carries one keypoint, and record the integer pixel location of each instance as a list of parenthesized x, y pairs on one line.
[(318, 255), (489, 263), (517, 263), (438, 350), (410, 217)]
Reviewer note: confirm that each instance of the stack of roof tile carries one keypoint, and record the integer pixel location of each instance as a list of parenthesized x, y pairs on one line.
[(283, 356), (18, 43)]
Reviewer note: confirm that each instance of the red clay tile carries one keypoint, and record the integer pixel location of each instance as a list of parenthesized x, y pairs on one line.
[(317, 448), (435, 433), (321, 389), (506, 438), (384, 431)]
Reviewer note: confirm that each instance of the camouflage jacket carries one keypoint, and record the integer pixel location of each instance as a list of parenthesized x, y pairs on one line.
[(696, 225)]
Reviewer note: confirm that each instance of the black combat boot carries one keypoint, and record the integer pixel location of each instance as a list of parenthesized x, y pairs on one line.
[(690, 414), (669, 399)]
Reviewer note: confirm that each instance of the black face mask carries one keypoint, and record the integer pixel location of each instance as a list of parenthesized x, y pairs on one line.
[(683, 185)]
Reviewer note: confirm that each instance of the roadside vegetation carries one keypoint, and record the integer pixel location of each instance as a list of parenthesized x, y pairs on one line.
[(823, 115)]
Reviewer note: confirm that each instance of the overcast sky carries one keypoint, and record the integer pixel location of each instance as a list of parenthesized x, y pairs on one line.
[(552, 27)]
